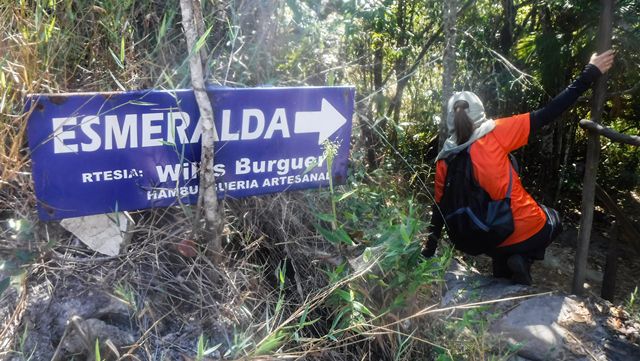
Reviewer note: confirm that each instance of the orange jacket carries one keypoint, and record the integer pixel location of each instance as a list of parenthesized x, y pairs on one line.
[(490, 159)]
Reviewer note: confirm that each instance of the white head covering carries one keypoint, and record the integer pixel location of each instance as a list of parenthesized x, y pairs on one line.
[(481, 124)]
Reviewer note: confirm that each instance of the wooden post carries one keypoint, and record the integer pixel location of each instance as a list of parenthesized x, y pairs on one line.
[(207, 200), (593, 154)]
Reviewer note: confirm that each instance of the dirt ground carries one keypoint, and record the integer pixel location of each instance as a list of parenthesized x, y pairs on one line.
[(555, 273)]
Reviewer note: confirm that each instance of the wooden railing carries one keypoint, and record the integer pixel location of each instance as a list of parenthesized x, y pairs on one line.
[(621, 226), (610, 133)]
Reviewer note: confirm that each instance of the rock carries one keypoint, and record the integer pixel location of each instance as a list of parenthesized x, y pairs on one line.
[(518, 358), (544, 326), (47, 316), (462, 285), (96, 329), (98, 305), (534, 324), (103, 233)]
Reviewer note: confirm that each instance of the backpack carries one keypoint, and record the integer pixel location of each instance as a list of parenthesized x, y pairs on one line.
[(476, 223)]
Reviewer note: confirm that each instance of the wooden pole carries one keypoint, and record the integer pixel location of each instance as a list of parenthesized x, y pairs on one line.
[(207, 198), (593, 154)]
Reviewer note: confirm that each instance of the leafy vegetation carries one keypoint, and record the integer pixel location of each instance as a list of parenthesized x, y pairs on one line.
[(335, 274)]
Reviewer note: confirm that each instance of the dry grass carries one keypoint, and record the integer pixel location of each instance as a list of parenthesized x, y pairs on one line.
[(240, 303)]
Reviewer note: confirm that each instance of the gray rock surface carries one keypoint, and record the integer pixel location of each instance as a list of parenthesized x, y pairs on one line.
[(535, 323), (48, 314), (545, 326), (467, 285), (96, 329)]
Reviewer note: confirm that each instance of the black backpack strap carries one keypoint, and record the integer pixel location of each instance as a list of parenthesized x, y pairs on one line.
[(510, 182), (514, 163), (469, 169)]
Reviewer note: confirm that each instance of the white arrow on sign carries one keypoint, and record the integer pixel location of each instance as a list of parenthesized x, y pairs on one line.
[(325, 122)]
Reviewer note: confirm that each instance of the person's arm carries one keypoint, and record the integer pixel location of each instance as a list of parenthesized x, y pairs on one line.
[(563, 101), (435, 230), (437, 221), (598, 65)]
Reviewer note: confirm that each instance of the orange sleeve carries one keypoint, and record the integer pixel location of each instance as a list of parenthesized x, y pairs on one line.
[(513, 132), (441, 175)]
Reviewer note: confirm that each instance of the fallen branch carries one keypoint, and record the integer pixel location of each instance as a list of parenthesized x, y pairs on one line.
[(610, 133)]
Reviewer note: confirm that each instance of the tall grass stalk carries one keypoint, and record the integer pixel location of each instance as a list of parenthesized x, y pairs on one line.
[(330, 152)]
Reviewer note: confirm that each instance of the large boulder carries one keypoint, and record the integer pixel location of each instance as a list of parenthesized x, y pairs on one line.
[(541, 325)]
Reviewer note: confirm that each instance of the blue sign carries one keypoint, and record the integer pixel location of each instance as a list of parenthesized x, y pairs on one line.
[(103, 152)]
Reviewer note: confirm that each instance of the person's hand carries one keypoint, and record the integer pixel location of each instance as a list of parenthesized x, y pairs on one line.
[(428, 252), (430, 248), (603, 61)]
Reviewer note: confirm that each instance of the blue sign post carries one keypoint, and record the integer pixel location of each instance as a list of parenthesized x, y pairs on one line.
[(103, 152)]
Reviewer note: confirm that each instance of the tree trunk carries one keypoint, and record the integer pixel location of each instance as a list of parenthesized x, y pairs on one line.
[(376, 121), (508, 25), (400, 68), (207, 199), (593, 154), (448, 63)]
